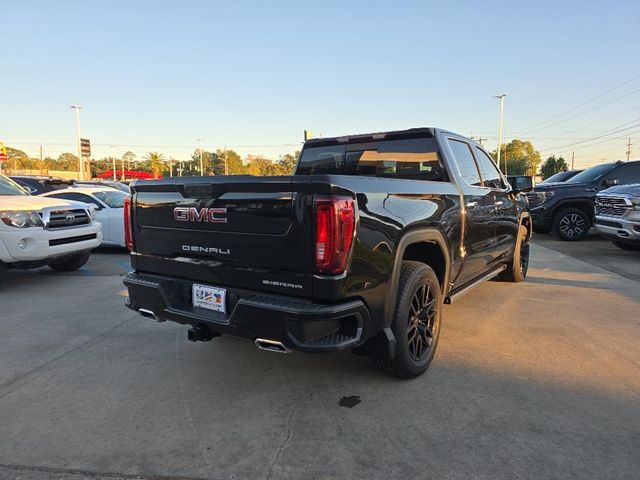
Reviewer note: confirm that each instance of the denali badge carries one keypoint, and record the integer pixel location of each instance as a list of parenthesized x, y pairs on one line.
[(193, 214), (196, 249)]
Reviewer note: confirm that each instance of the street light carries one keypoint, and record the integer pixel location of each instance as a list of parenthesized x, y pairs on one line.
[(77, 108), (501, 97)]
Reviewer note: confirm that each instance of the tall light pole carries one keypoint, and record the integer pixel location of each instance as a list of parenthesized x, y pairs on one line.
[(77, 108), (501, 97)]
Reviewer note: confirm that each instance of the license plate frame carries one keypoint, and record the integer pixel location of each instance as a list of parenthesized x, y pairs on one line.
[(209, 297)]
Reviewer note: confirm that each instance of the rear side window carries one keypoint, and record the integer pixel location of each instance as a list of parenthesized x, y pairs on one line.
[(414, 159), (627, 175), (466, 164)]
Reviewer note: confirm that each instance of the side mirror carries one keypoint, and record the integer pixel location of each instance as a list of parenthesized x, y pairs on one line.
[(520, 183), (611, 182)]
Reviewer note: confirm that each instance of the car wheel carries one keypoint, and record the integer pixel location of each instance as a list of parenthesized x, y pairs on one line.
[(3, 271), (517, 269), (626, 246), (72, 263), (571, 224), (416, 322)]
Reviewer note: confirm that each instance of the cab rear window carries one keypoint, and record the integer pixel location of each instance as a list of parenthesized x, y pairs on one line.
[(415, 159)]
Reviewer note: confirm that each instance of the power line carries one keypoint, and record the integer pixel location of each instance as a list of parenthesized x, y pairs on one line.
[(605, 133), (579, 114), (584, 103)]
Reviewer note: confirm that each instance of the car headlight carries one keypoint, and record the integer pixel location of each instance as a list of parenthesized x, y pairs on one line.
[(635, 201), (21, 219), (92, 212), (538, 198)]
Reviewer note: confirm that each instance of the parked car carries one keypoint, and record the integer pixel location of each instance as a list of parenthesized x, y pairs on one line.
[(560, 177), (37, 185), (109, 207), (618, 215), (102, 183), (359, 249), (36, 231), (567, 208)]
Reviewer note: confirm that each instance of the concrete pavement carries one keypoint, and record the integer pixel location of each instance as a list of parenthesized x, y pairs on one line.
[(532, 380)]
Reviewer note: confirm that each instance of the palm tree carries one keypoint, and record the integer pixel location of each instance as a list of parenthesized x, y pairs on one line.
[(155, 160)]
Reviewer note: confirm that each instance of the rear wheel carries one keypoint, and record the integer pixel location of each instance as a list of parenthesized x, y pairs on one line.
[(72, 263), (416, 322), (571, 224), (517, 269), (626, 246)]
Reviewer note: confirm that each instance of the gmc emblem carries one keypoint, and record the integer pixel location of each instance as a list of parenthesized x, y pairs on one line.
[(193, 214)]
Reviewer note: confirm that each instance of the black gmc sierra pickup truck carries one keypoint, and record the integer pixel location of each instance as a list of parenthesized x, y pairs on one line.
[(359, 249)]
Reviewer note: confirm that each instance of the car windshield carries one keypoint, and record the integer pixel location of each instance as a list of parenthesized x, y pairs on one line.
[(9, 187), (112, 198), (558, 177), (592, 174)]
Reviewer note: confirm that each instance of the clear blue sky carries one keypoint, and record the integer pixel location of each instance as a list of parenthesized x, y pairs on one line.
[(156, 75)]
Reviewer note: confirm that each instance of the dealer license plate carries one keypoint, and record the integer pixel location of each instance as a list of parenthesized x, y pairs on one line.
[(212, 298)]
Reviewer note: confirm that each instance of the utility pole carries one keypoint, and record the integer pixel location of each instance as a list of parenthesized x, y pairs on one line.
[(40, 153), (479, 139), (201, 162), (629, 149), (226, 172), (77, 108), (573, 157), (501, 97), (113, 162)]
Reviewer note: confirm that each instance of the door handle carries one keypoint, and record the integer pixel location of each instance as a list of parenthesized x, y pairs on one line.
[(499, 203), (471, 204)]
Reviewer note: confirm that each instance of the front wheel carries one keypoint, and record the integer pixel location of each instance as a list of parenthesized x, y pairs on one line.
[(71, 263), (571, 224), (416, 322), (517, 269)]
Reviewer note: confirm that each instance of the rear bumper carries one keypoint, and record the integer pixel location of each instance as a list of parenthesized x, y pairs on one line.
[(298, 324), (541, 217)]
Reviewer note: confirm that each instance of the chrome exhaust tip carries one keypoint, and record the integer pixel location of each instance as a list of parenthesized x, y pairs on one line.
[(271, 345), (149, 314)]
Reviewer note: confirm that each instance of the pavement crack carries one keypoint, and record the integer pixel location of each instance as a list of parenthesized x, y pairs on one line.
[(90, 342), (287, 439)]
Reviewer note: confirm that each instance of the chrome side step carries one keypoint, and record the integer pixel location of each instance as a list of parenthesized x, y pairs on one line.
[(487, 276)]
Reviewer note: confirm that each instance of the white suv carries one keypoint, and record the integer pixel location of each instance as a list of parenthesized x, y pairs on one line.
[(38, 231)]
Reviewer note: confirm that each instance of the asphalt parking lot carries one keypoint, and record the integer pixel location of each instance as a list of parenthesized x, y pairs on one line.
[(532, 380)]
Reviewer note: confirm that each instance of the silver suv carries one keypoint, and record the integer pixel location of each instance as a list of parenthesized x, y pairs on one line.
[(618, 215)]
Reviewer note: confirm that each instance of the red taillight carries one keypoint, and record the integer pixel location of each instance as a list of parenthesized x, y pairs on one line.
[(128, 228), (335, 222)]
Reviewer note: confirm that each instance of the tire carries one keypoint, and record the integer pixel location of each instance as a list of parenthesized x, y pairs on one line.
[(626, 246), (517, 269), (416, 335), (571, 224), (72, 263), (3, 272)]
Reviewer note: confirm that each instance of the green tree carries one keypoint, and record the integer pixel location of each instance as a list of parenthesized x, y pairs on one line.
[(286, 163), (235, 166), (260, 166), (66, 161), (156, 164), (520, 156), (553, 165)]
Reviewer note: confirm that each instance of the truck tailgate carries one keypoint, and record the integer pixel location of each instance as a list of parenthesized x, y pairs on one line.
[(235, 231)]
